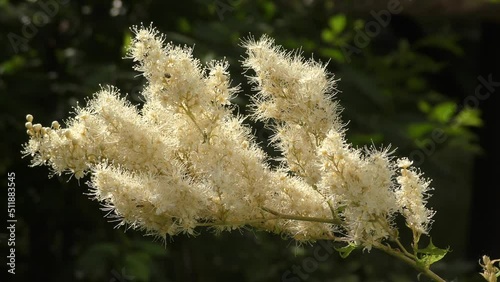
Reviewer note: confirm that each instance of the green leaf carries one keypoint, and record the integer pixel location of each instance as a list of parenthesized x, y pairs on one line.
[(127, 40), (14, 64), (151, 248), (417, 130), (366, 86), (337, 23), (430, 254), (327, 35), (298, 251), (415, 84), (448, 43), (363, 139), (443, 112), (359, 24), (345, 251), (469, 117), (137, 264), (184, 25), (269, 9), (335, 54), (94, 262), (424, 106), (109, 250)]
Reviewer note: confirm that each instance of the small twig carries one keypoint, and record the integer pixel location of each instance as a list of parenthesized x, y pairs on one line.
[(242, 222), (193, 119), (302, 218), (424, 270)]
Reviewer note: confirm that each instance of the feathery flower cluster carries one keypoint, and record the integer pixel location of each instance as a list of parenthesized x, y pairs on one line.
[(184, 160)]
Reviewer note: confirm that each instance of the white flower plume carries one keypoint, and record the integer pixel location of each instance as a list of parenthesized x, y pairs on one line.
[(185, 161)]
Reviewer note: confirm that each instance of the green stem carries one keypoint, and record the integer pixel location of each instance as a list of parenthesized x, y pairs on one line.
[(277, 215), (193, 119), (394, 238), (332, 210), (424, 270), (408, 254), (242, 222), (302, 218)]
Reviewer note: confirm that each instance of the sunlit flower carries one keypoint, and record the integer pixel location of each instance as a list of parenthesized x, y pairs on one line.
[(184, 159)]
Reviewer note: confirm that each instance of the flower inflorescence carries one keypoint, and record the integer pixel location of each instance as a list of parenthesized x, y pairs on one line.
[(185, 160)]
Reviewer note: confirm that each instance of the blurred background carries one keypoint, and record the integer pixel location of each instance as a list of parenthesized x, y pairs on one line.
[(421, 75)]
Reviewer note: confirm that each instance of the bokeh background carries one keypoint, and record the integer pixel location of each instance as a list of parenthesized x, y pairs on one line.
[(412, 73)]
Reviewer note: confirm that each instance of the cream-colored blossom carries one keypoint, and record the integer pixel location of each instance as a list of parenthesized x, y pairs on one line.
[(361, 183), (490, 271), (412, 197), (184, 160), (161, 204), (295, 97)]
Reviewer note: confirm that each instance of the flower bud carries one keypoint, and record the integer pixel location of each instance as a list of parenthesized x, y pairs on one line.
[(55, 124), (37, 127)]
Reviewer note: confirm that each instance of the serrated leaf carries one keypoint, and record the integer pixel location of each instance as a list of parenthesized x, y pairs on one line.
[(430, 254), (345, 251)]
